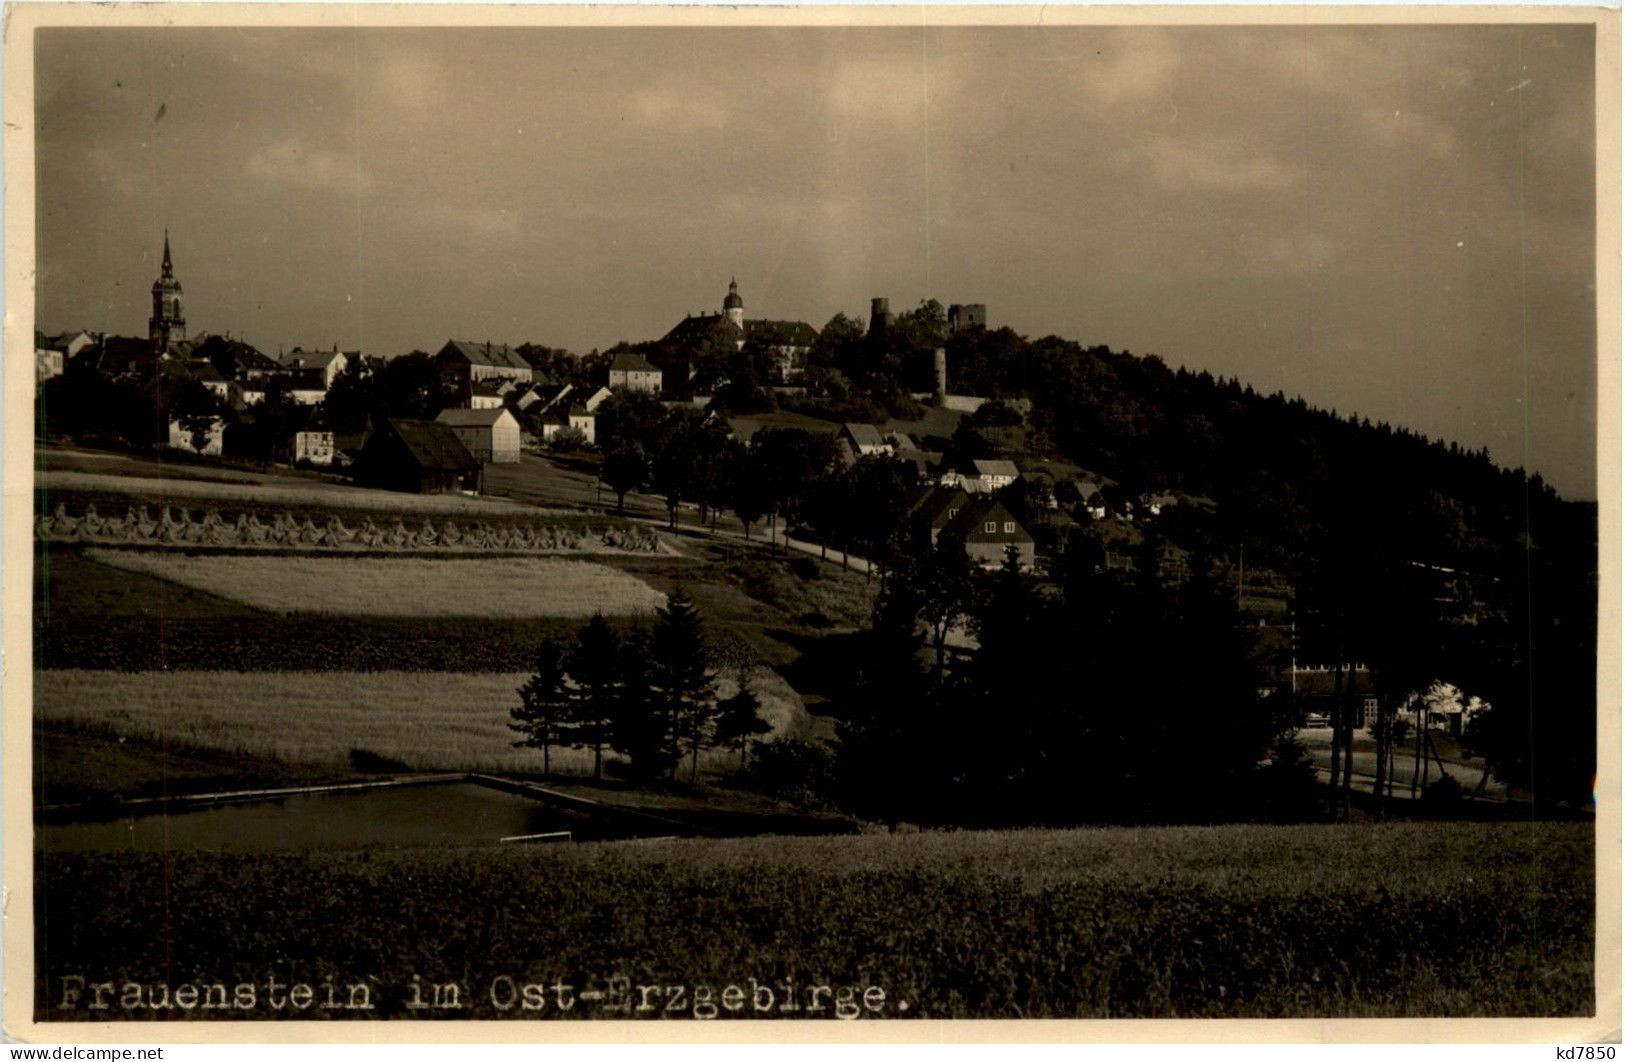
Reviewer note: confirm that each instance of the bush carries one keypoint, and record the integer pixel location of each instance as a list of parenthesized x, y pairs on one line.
[(568, 440), (791, 768)]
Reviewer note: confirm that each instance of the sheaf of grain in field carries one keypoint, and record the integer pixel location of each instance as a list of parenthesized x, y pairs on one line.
[(159, 491), (483, 587), (427, 720)]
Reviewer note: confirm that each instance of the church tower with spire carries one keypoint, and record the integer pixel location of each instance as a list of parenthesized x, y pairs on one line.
[(167, 324), (733, 305)]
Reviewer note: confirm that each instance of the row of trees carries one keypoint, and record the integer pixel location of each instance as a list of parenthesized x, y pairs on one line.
[(649, 695)]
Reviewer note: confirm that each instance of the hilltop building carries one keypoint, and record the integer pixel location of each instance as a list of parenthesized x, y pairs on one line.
[(787, 343)]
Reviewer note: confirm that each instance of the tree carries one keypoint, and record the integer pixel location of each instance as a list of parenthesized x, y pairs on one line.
[(625, 469), (596, 669), (682, 682), (739, 719), (944, 580), (542, 704), (637, 729)]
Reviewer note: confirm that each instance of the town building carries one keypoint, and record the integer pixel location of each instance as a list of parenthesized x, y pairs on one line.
[(634, 372), (491, 435), (559, 417)]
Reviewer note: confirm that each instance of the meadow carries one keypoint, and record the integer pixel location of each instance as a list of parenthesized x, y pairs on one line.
[(430, 721), (489, 588), (1452, 919)]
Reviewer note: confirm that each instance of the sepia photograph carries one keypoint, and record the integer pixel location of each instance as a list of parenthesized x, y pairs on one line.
[(814, 516)]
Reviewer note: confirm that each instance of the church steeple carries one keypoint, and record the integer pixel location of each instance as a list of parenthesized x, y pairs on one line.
[(733, 305), (167, 324)]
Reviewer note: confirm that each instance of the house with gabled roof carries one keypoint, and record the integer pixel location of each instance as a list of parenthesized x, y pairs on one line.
[(987, 529), (329, 363), (634, 372), (463, 362), (932, 508), (864, 439), (418, 457), (491, 435)]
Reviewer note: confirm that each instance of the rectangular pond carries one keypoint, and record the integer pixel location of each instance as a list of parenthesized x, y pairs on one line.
[(407, 816)]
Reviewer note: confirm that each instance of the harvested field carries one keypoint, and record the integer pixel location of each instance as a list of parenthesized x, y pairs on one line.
[(288, 493), (485, 588)]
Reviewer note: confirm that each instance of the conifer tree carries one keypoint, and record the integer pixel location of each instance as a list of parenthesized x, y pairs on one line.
[(739, 718), (595, 673), (682, 680), (542, 704)]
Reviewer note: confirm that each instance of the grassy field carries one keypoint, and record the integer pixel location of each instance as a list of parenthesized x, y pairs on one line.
[(96, 616), (491, 588), (424, 720), (1241, 921)]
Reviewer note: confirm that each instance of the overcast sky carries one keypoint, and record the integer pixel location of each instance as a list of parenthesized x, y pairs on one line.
[(1394, 221)]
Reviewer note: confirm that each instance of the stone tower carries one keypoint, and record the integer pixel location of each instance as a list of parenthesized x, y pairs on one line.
[(733, 305), (168, 324), (880, 316)]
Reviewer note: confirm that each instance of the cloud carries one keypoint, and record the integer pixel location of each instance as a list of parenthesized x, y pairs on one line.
[(1177, 165), (289, 164)]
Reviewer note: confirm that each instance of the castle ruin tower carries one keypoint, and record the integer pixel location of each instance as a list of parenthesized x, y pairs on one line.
[(733, 305), (167, 324), (880, 316)]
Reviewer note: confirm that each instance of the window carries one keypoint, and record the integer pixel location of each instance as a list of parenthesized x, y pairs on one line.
[(990, 527), (952, 513), (1009, 527)]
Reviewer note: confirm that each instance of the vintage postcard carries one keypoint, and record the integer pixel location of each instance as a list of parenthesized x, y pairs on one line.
[(535, 523)]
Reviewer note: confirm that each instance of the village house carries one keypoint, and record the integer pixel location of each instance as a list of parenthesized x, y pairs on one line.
[(863, 440), (463, 363), (234, 359), (489, 394), (491, 435), (558, 417), (313, 441), (634, 372), (591, 402), (203, 371), (1315, 692), (418, 457), (987, 530), (930, 509), (991, 474), (329, 363)]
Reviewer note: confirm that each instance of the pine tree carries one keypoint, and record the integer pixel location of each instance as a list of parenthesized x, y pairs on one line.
[(683, 683), (595, 672), (738, 718), (636, 729), (542, 704)]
